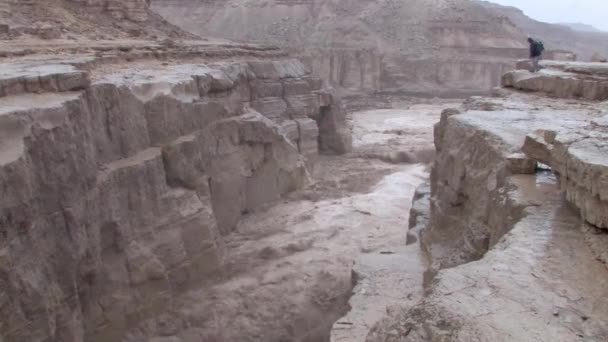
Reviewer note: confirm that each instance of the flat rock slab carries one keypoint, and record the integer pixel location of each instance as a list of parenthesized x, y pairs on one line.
[(540, 283), (20, 78), (558, 83), (383, 281), (584, 68)]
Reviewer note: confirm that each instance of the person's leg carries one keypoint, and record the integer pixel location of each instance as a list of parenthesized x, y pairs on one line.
[(535, 66), (531, 64)]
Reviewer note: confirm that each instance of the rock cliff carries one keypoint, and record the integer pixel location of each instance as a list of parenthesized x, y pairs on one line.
[(439, 47), (562, 79), (120, 181), (510, 258)]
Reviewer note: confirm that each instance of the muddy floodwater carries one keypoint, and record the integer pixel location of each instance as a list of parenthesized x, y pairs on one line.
[(290, 271)]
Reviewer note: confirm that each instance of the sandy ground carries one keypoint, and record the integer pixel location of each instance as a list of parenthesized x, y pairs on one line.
[(289, 275)]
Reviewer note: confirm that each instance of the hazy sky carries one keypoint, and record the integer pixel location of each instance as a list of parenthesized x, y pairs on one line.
[(593, 12)]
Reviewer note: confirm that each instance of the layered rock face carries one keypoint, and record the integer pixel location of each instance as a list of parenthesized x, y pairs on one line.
[(136, 10), (561, 79), (373, 71), (118, 186), (577, 156), (436, 47), (510, 259)]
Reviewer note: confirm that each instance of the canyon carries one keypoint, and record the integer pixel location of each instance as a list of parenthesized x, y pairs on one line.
[(143, 173), (164, 187), (514, 253), (442, 48), (439, 47)]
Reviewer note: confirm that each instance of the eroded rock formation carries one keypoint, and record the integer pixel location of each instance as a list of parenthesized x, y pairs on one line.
[(118, 186), (561, 79), (510, 259), (437, 47)]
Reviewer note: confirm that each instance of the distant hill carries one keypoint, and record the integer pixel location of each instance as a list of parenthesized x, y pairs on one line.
[(582, 27), (555, 36), (83, 20)]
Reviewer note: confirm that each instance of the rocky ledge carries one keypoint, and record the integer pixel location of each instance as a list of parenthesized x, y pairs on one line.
[(516, 233), (588, 81), (120, 181)]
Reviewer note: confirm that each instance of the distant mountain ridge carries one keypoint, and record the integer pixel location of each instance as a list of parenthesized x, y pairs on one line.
[(555, 36)]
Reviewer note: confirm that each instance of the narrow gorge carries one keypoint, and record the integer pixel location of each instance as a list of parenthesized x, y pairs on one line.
[(156, 186)]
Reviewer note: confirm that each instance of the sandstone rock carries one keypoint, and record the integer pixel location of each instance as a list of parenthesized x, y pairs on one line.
[(264, 89), (410, 48), (309, 136), (290, 130), (518, 163), (537, 148), (496, 136), (334, 133), (558, 83), (576, 156), (474, 301), (303, 106), (419, 214), (522, 64), (254, 149), (579, 159), (118, 192), (440, 126), (490, 229), (21, 78)]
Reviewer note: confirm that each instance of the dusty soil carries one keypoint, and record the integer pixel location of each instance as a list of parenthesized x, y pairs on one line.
[(289, 273)]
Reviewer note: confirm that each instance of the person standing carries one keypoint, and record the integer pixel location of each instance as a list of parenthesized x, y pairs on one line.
[(536, 53)]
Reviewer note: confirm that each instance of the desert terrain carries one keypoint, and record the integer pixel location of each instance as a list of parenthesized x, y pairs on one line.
[(309, 171)]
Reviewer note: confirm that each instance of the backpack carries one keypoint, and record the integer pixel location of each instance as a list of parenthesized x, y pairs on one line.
[(540, 46)]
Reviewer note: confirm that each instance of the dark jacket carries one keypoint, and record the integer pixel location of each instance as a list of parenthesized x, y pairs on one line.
[(535, 49)]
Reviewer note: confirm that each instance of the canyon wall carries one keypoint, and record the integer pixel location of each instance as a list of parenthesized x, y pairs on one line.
[(372, 71), (120, 186), (517, 249), (431, 48)]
